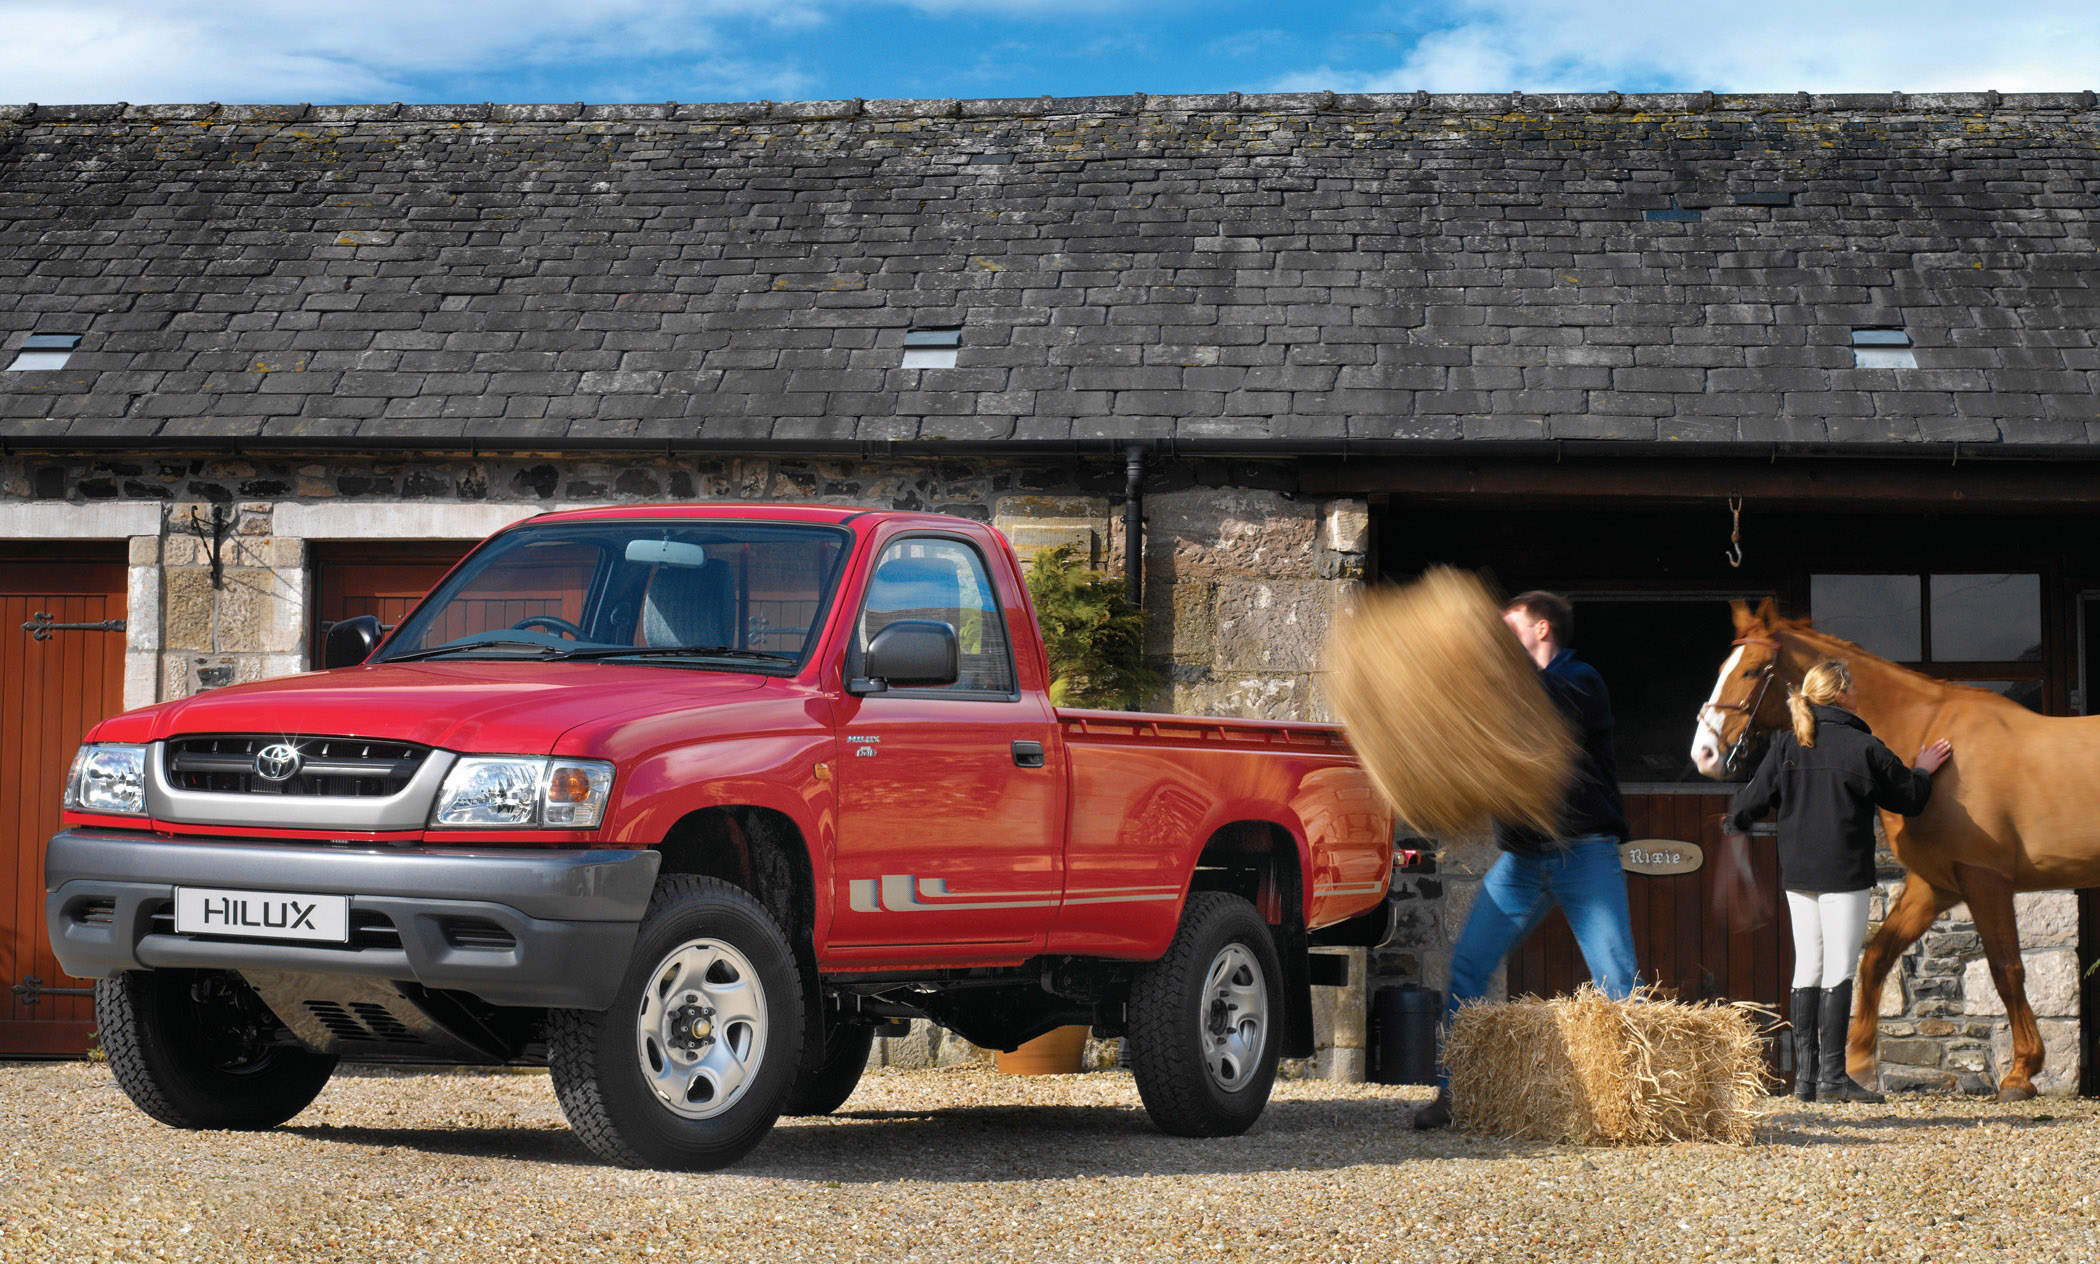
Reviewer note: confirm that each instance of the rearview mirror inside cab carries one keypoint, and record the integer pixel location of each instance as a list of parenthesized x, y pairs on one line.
[(666, 553)]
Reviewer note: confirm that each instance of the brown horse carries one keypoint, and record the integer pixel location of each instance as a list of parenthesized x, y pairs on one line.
[(2008, 812)]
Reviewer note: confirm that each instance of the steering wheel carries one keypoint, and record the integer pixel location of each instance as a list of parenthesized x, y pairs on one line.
[(560, 625)]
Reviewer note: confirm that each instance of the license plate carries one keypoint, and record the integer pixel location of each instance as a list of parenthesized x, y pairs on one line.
[(262, 914)]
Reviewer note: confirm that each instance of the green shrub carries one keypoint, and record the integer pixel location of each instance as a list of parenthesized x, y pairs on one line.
[(1094, 634)]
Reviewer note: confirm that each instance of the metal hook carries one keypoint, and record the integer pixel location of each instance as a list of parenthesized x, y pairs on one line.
[(1735, 536)]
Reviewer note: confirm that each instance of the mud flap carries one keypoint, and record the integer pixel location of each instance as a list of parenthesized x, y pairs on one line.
[(1293, 951)]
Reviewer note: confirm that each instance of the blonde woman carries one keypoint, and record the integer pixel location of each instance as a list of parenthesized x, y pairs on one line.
[(1825, 778)]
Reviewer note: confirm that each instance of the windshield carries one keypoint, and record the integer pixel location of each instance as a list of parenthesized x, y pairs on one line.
[(740, 595)]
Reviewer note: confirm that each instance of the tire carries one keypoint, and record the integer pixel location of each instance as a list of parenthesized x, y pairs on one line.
[(824, 1088), (1206, 1021), (195, 1049), (690, 1064)]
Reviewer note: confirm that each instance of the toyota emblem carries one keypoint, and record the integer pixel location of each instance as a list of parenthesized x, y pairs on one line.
[(278, 761)]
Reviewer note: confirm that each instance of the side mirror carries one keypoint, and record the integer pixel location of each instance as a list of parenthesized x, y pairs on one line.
[(910, 654), (350, 642)]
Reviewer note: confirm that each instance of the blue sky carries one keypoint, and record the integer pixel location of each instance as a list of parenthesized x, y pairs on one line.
[(719, 50)]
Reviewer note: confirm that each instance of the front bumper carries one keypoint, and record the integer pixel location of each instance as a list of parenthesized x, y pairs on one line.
[(438, 917)]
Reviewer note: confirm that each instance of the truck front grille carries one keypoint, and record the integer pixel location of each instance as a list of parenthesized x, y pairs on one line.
[(339, 767)]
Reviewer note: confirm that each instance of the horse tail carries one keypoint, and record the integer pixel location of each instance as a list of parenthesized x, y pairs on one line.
[(1804, 719)]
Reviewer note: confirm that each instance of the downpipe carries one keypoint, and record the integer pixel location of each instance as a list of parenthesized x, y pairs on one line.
[(1134, 523)]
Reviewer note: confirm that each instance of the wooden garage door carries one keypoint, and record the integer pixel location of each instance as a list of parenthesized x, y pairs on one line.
[(385, 580), (57, 679)]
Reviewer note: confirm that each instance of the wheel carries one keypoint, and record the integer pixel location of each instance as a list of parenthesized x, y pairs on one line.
[(1205, 1021), (689, 1065), (196, 1049), (824, 1088), (555, 622)]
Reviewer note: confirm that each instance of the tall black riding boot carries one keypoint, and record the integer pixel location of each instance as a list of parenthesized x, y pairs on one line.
[(1807, 1004), (1832, 1084)]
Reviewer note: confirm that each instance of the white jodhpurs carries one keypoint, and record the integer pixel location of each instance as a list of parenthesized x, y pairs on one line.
[(1829, 929)]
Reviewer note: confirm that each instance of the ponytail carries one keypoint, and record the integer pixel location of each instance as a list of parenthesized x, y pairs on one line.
[(1821, 685)]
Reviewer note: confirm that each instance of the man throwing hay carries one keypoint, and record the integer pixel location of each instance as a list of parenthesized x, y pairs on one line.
[(1576, 865)]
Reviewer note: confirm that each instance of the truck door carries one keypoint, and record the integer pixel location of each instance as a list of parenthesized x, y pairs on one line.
[(951, 800)]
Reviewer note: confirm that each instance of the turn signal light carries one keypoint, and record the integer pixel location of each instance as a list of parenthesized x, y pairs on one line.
[(569, 784)]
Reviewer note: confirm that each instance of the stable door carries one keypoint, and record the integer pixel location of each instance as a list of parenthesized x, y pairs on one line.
[(62, 621)]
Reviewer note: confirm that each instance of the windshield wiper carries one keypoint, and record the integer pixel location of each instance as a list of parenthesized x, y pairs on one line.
[(682, 651), (546, 651)]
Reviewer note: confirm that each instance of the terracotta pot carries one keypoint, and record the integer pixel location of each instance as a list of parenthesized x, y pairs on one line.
[(1052, 1053)]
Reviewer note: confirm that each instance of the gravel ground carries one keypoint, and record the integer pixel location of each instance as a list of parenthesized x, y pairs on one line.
[(966, 1164)]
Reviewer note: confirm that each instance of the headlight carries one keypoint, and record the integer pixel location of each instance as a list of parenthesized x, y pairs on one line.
[(516, 792), (108, 779)]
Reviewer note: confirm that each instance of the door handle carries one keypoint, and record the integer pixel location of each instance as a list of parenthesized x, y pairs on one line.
[(1028, 754)]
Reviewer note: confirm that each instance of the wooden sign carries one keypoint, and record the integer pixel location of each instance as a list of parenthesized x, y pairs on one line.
[(1659, 857)]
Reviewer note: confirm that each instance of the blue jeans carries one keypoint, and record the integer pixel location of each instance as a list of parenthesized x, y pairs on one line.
[(1585, 879)]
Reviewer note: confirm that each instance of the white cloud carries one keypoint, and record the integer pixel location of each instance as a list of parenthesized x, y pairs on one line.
[(375, 50), (1772, 46)]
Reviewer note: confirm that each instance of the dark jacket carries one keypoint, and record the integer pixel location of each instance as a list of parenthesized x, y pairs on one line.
[(1593, 805), (1826, 795)]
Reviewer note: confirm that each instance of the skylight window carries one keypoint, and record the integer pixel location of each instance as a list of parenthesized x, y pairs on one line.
[(931, 348), (1882, 349), (44, 352)]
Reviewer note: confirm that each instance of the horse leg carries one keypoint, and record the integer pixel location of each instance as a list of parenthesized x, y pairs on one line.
[(1915, 908), (1990, 897)]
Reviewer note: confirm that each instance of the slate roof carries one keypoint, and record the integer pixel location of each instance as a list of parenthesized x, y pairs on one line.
[(1268, 272)]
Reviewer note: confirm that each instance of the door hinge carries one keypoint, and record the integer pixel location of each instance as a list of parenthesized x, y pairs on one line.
[(32, 990), (40, 627)]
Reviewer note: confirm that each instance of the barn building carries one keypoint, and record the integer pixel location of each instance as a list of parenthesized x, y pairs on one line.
[(265, 367)]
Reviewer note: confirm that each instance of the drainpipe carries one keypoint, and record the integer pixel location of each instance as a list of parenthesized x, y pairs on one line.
[(1134, 523)]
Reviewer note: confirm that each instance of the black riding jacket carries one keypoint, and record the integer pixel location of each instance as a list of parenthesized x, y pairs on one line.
[(1593, 804), (1826, 795)]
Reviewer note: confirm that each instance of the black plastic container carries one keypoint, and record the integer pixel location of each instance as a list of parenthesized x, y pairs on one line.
[(1403, 1034)]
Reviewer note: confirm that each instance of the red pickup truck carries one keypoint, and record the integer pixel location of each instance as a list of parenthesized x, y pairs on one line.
[(683, 802)]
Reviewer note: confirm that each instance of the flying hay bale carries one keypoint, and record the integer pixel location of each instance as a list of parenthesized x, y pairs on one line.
[(1445, 709), (1595, 1071)]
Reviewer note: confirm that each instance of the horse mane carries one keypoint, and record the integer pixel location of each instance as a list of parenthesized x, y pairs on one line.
[(1776, 624)]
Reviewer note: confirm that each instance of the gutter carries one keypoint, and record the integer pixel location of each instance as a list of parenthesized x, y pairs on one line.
[(1555, 450)]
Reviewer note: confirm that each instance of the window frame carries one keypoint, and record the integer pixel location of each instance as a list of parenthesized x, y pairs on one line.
[(991, 588), (1967, 671)]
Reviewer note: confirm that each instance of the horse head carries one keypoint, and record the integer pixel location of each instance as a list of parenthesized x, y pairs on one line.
[(1749, 698)]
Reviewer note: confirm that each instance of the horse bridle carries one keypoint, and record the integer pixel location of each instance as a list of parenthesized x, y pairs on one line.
[(1750, 708)]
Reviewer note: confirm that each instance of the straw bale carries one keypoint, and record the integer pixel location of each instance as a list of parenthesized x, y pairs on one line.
[(1445, 709), (1595, 1071)]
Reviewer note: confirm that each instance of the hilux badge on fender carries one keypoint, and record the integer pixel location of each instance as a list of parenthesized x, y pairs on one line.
[(278, 761)]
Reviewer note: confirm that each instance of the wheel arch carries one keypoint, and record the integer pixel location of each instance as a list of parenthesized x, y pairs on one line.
[(759, 849), (1263, 862), (762, 851)]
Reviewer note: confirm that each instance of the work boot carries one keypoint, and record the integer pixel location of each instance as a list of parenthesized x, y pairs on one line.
[(1832, 1084), (1807, 1001), (1437, 1114)]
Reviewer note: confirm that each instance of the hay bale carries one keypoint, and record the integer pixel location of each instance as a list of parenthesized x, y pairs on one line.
[(1595, 1071), (1445, 709)]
